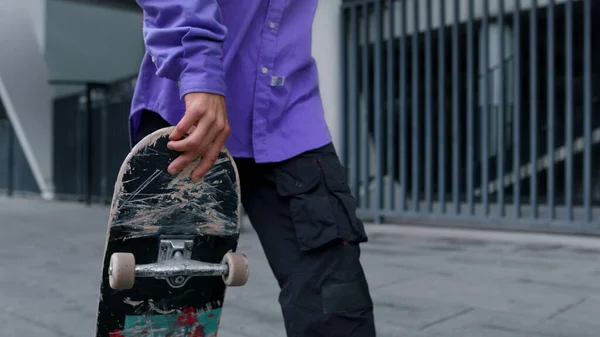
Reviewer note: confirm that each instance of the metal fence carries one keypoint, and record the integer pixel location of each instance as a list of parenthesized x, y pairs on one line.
[(473, 112), (91, 139)]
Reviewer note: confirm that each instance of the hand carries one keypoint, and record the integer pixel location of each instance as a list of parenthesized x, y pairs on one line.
[(207, 115)]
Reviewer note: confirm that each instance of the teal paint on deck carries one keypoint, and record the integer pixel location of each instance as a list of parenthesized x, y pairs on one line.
[(190, 323)]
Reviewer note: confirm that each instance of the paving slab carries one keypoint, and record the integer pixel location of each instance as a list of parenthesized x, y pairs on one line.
[(490, 323), (424, 282)]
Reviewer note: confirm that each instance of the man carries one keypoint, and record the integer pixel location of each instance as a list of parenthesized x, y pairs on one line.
[(240, 73)]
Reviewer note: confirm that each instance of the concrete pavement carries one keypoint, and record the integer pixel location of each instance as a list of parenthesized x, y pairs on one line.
[(425, 282)]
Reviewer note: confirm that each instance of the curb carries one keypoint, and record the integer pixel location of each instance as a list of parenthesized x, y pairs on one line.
[(488, 235)]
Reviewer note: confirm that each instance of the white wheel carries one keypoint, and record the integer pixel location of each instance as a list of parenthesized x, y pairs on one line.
[(121, 272), (237, 274)]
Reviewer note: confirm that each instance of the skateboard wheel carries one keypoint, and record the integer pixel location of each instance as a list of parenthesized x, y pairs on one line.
[(121, 271), (237, 274)]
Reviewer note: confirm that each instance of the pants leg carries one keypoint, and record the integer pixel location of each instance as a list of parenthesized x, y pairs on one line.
[(150, 122), (304, 215)]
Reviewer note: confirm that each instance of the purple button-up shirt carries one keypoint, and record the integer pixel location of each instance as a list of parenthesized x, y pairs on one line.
[(257, 53)]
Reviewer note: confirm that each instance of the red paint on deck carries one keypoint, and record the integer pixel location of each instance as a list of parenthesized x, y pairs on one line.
[(116, 333), (198, 332), (187, 318)]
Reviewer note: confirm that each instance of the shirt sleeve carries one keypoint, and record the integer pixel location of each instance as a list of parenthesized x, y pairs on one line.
[(185, 40)]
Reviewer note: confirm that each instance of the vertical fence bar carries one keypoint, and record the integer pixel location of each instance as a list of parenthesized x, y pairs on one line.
[(533, 124), (455, 111), (403, 107), (587, 110), (10, 172), (485, 113), (551, 102), (500, 115), (390, 107), (442, 108), (344, 70), (569, 109), (364, 139), (517, 108), (80, 127), (415, 185), (104, 191), (470, 113), (355, 103), (378, 93), (428, 113), (88, 145)]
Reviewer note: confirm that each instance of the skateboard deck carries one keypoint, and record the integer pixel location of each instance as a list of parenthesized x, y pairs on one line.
[(170, 250)]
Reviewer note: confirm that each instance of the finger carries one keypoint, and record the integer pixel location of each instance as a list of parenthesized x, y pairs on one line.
[(185, 124), (210, 137), (210, 157), (181, 162), (206, 163), (192, 142)]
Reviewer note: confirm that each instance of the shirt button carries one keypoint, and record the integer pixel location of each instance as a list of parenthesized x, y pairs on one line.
[(272, 25), (264, 70)]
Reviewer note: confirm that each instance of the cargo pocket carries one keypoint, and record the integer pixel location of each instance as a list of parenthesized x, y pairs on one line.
[(312, 215), (350, 227)]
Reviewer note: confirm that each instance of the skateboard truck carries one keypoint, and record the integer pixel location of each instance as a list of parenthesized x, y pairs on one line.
[(175, 264)]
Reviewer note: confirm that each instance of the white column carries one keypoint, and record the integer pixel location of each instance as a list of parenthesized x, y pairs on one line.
[(24, 87), (326, 51), (37, 14)]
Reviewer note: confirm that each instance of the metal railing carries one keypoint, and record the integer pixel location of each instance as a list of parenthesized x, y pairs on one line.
[(472, 113), (91, 139)]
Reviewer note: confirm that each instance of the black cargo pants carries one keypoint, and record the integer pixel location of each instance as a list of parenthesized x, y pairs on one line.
[(304, 215)]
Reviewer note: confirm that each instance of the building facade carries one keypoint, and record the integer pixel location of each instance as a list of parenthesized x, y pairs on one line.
[(446, 112)]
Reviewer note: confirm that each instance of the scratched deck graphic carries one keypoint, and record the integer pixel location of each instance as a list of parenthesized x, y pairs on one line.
[(150, 205)]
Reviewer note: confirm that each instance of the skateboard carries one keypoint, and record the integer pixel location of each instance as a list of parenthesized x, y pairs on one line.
[(170, 250)]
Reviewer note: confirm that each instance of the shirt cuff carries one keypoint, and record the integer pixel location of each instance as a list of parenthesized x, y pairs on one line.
[(202, 74)]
